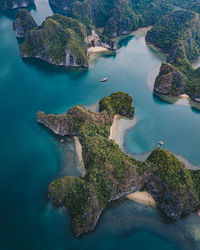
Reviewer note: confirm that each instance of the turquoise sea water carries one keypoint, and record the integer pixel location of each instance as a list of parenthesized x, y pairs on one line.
[(31, 157)]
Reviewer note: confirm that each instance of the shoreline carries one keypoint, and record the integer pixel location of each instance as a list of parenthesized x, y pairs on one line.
[(142, 197), (183, 100), (151, 77), (142, 31), (113, 128), (184, 96), (96, 49), (80, 162)]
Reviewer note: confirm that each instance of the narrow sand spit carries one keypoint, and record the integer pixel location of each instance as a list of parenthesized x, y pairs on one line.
[(143, 198), (80, 162)]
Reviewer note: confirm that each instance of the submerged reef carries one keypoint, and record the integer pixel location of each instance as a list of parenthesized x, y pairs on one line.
[(110, 173)]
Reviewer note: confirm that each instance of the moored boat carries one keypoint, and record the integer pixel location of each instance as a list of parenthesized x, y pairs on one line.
[(104, 80)]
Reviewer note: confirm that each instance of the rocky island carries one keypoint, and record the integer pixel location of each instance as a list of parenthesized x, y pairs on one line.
[(178, 35), (13, 4), (110, 173), (60, 40)]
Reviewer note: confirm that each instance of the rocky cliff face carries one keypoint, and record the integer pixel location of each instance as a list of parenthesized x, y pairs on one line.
[(169, 81), (23, 22), (13, 4), (59, 40), (111, 174)]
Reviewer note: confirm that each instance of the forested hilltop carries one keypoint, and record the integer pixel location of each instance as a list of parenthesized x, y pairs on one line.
[(116, 17), (178, 35)]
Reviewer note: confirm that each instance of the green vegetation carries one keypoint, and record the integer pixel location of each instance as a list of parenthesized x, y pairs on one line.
[(178, 35), (108, 169), (23, 22), (193, 5), (60, 40), (171, 170), (117, 17), (110, 173), (117, 103)]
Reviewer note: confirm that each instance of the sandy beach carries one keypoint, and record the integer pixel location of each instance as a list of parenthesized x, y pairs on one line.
[(78, 148), (142, 31), (113, 129), (96, 49), (140, 197), (118, 129), (143, 198), (184, 96)]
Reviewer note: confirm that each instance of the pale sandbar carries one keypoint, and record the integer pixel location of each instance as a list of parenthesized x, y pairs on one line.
[(143, 198)]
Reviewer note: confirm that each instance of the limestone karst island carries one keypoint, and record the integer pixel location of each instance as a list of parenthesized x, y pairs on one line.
[(100, 124)]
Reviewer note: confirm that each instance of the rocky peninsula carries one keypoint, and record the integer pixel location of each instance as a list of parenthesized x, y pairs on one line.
[(110, 173)]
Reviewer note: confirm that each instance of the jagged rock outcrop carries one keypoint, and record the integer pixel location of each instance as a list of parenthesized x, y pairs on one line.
[(23, 22), (111, 174), (59, 40), (13, 4), (169, 81)]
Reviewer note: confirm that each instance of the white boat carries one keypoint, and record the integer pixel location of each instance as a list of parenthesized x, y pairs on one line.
[(104, 80)]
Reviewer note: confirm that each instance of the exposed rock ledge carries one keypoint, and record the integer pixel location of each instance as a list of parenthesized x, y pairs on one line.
[(169, 81), (23, 22), (111, 174)]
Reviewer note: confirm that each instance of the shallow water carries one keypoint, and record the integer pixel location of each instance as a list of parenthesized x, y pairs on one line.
[(31, 157)]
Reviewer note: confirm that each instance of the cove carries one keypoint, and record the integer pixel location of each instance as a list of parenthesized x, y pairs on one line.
[(31, 158)]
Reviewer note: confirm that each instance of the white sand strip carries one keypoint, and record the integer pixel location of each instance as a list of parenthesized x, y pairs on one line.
[(96, 49), (113, 128), (78, 148)]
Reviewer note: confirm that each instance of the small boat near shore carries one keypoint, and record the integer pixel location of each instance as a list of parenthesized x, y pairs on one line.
[(104, 79)]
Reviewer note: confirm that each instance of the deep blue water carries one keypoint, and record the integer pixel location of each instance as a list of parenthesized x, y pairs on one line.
[(31, 157)]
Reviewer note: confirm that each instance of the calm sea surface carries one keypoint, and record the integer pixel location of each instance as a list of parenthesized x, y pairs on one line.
[(31, 157)]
